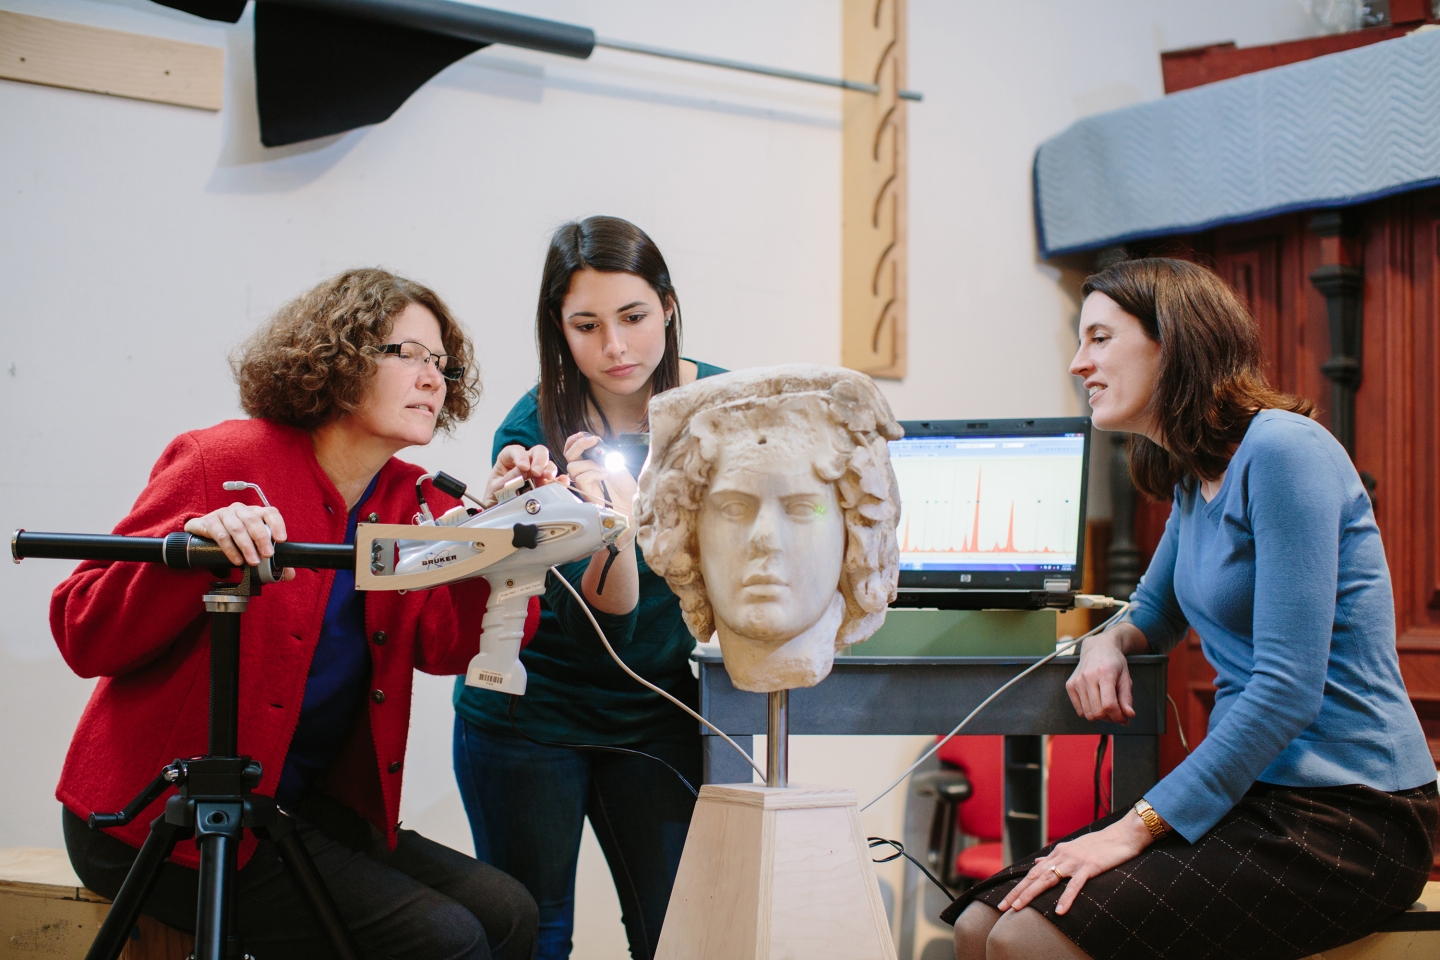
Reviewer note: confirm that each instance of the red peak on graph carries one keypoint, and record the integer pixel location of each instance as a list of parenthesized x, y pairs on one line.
[(971, 544)]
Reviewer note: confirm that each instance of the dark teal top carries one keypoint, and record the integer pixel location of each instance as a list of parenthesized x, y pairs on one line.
[(575, 692)]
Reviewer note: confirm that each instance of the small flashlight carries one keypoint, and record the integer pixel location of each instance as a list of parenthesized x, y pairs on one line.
[(609, 457)]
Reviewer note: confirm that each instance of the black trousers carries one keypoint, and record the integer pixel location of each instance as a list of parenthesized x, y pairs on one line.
[(420, 901)]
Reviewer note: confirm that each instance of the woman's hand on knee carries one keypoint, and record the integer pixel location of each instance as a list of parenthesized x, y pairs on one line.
[(1075, 862), (246, 534)]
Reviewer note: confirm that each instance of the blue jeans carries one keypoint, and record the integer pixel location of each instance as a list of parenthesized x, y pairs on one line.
[(527, 806)]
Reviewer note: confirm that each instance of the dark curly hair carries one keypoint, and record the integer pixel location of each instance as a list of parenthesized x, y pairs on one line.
[(1212, 379), (313, 361)]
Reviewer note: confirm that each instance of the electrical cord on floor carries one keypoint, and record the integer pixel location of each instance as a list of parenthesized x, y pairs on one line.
[(641, 680), (900, 852), (605, 748), (1061, 648)]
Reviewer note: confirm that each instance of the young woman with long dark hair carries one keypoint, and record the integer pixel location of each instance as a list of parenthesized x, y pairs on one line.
[(1307, 815), (607, 328)]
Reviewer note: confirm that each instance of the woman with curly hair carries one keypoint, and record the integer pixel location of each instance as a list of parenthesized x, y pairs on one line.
[(339, 381), (1307, 815)]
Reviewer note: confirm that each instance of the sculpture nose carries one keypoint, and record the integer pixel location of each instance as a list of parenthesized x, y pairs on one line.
[(764, 536)]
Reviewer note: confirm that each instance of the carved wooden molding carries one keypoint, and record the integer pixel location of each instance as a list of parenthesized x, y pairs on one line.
[(56, 53), (874, 304)]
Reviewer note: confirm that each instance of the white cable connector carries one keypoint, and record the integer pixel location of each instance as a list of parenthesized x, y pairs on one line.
[(424, 516), (236, 485), (1095, 601)]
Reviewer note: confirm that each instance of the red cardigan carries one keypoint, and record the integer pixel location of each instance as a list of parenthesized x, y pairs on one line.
[(142, 629)]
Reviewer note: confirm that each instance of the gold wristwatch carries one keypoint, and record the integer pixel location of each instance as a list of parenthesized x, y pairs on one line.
[(1157, 827)]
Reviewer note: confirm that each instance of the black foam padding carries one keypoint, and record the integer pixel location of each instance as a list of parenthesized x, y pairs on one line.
[(319, 73), (227, 10)]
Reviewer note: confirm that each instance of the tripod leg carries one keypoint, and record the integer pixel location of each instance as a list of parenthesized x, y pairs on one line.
[(141, 879), (307, 878), (211, 927), (218, 827)]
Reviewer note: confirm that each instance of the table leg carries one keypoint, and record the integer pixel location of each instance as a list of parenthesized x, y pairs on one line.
[(1024, 797), (1136, 768)]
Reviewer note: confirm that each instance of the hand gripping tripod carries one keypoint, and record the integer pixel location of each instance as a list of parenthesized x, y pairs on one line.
[(214, 803)]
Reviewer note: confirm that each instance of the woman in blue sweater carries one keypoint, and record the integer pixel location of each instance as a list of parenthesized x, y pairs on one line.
[(1308, 813), (608, 334)]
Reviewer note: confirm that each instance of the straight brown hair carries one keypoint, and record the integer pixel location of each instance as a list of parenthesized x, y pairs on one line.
[(1212, 379), (609, 245)]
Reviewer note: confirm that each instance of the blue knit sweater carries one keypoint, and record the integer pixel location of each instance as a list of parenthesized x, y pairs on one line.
[(1283, 576)]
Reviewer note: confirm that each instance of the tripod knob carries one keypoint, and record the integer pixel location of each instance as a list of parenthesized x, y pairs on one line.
[(174, 550), (252, 773)]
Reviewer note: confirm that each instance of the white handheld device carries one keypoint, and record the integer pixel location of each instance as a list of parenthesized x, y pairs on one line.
[(512, 545)]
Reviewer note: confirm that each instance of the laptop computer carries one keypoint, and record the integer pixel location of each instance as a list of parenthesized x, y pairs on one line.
[(992, 512)]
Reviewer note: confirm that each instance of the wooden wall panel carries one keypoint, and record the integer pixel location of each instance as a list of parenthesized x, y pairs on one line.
[(1396, 430), (57, 53), (875, 191), (1252, 266)]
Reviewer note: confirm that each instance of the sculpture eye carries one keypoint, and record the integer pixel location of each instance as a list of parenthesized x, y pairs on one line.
[(734, 510), (805, 509)]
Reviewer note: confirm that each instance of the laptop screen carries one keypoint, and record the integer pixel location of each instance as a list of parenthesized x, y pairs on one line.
[(998, 504)]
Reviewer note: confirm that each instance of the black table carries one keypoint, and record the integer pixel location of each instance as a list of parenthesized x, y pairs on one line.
[(928, 696)]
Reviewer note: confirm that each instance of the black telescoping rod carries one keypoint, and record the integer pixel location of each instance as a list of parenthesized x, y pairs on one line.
[(180, 551), (466, 22)]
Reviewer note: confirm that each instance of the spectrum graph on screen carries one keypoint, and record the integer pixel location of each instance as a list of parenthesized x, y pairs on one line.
[(992, 503)]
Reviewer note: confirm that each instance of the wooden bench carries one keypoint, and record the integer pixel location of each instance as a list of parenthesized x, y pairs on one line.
[(1412, 935), (46, 913)]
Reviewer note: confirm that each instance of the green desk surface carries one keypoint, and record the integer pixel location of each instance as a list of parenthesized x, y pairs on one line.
[(960, 633)]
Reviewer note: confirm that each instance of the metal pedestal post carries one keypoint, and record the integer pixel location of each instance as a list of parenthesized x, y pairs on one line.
[(777, 739)]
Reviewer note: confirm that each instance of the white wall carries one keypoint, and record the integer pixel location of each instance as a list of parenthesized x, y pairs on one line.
[(139, 242)]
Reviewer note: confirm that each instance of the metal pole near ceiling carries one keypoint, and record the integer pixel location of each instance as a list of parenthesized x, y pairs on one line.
[(324, 67), (725, 64)]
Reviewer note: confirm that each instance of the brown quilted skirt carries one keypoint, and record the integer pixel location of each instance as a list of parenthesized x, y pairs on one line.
[(1287, 873)]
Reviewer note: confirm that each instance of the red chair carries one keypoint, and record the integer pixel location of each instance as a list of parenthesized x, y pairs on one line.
[(971, 779)]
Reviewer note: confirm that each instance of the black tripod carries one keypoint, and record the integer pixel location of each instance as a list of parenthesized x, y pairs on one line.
[(214, 803)]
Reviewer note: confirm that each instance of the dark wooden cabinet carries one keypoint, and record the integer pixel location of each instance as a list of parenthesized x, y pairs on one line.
[(1395, 244)]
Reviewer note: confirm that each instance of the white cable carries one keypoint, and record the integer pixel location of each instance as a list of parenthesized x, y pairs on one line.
[(641, 680), (590, 496), (1064, 647)]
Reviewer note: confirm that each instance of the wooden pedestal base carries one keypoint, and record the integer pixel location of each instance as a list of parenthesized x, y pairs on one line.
[(775, 873)]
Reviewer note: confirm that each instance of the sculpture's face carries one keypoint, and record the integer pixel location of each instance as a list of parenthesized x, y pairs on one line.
[(771, 536)]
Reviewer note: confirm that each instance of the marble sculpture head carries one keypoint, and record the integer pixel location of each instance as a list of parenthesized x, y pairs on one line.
[(769, 506)]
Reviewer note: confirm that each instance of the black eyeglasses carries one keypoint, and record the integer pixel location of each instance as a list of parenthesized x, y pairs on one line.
[(413, 354)]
